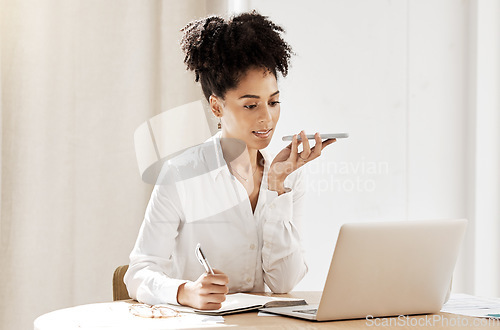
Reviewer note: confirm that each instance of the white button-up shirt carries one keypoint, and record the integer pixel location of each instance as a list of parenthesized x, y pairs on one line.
[(197, 200)]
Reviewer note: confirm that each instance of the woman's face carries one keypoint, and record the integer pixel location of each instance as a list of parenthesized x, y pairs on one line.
[(251, 111)]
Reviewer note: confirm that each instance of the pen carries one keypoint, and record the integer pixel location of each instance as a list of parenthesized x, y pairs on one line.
[(494, 315), (202, 259)]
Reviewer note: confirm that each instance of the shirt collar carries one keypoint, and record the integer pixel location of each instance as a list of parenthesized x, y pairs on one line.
[(214, 141)]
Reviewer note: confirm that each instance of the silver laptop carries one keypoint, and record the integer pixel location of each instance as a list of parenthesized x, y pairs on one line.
[(387, 269)]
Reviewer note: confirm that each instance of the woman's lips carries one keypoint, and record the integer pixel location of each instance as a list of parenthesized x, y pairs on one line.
[(263, 134)]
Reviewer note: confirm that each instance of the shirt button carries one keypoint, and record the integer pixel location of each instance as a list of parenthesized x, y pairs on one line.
[(252, 246), (271, 206), (249, 280)]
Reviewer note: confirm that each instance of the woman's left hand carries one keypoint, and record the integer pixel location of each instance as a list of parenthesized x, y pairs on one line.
[(289, 159)]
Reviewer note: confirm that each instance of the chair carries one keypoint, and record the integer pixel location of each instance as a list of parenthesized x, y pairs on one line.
[(119, 289)]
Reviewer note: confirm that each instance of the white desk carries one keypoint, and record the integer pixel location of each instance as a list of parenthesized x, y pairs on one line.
[(115, 315)]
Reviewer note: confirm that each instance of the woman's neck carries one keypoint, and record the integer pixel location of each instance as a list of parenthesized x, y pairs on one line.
[(237, 154), (252, 153)]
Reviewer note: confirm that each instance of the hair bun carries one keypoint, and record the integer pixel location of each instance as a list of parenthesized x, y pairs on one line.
[(198, 42), (220, 51)]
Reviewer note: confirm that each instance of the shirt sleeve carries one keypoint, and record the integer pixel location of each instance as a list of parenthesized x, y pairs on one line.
[(146, 277), (282, 254)]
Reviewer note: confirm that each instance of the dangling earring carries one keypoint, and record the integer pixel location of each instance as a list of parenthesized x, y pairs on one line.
[(219, 125)]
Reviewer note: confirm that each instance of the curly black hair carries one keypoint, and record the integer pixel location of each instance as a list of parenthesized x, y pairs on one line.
[(221, 51)]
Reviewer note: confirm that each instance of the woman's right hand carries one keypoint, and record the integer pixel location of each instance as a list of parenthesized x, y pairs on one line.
[(207, 292)]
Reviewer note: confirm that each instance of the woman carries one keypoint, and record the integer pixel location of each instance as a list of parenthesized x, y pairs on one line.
[(227, 194)]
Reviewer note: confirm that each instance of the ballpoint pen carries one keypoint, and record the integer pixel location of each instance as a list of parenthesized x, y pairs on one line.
[(203, 260)]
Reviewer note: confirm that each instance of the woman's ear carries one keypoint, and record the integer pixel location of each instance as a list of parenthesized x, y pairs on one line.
[(215, 105)]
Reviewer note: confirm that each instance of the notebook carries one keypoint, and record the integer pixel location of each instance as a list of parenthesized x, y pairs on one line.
[(242, 302), (387, 269)]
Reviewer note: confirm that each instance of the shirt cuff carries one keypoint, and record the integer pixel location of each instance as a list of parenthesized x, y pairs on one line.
[(279, 208), (168, 291)]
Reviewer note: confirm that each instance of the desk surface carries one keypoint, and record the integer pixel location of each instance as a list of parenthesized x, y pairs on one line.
[(114, 315)]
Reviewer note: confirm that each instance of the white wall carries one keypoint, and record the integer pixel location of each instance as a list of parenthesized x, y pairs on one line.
[(484, 145), (395, 75)]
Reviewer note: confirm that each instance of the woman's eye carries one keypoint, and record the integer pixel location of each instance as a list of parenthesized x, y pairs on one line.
[(251, 106), (274, 103)]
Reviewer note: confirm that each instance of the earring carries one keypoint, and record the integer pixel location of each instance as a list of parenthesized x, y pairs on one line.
[(219, 125)]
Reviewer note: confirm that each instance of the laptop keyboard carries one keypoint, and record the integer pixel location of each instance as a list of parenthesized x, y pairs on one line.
[(307, 311)]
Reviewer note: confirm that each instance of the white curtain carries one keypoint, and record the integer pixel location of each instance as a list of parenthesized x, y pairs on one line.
[(77, 78)]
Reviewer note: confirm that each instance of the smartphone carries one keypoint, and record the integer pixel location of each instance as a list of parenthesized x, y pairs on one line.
[(323, 136)]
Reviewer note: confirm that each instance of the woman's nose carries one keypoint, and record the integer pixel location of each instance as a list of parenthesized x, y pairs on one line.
[(265, 114)]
